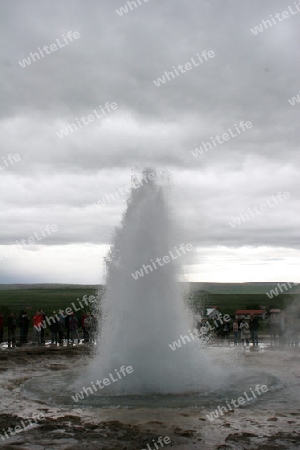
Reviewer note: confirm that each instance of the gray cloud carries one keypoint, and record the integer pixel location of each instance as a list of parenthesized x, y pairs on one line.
[(116, 59)]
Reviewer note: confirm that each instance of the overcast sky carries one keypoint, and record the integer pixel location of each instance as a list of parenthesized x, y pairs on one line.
[(116, 58)]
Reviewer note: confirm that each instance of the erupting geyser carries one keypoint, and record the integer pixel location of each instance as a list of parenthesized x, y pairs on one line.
[(143, 315)]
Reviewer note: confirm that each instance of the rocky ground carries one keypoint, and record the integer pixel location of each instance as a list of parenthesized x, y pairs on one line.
[(268, 426)]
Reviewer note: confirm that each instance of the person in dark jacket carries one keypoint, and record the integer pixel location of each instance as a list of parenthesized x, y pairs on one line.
[(24, 326), (253, 325), (60, 330), (11, 328), (88, 324), (67, 328), (84, 330), (54, 328), (73, 326), (43, 329), (1, 327)]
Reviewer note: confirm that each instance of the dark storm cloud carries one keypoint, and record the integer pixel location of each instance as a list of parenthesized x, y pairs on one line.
[(117, 59)]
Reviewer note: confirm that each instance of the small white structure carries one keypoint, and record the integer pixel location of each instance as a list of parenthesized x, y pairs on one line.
[(212, 313)]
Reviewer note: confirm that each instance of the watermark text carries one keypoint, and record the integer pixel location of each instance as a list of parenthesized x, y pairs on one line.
[(86, 391), (221, 410), (205, 146), (257, 210), (183, 68), (162, 261), (86, 120), (278, 17), (33, 57)]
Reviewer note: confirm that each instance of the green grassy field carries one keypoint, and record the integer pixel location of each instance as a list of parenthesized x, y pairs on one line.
[(47, 298), (240, 288), (229, 303), (228, 297)]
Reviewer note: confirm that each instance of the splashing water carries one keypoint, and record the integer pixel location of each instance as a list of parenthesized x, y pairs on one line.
[(143, 316)]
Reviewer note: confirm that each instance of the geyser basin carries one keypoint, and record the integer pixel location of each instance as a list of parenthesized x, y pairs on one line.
[(56, 389)]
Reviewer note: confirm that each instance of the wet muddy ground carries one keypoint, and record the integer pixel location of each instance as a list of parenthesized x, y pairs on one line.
[(273, 423)]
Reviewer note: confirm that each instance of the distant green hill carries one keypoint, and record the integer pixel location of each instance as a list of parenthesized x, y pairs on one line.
[(48, 297), (227, 296), (238, 288)]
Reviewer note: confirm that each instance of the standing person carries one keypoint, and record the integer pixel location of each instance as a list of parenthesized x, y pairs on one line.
[(205, 329), (239, 321), (282, 328), (60, 330), (73, 325), (253, 325), (88, 326), (84, 331), (37, 325), (93, 331), (1, 327), (67, 327), (235, 329), (43, 329), (54, 328), (291, 332), (62, 327), (245, 332), (11, 328), (24, 326), (62, 318), (225, 330), (273, 329)]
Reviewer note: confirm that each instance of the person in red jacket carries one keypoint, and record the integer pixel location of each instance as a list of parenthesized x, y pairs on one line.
[(37, 326), (1, 327)]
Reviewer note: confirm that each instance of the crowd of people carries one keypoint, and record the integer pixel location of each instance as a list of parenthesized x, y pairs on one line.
[(285, 328), (244, 330), (63, 328), (282, 329)]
